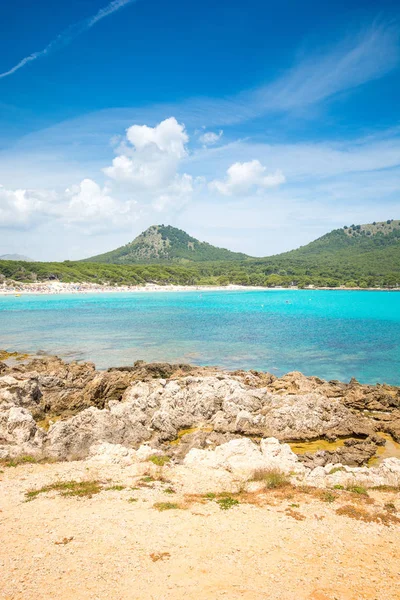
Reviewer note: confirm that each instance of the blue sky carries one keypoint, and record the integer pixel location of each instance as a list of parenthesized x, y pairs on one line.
[(255, 126)]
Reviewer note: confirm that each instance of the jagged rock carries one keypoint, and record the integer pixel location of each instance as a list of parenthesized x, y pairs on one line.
[(74, 437), (385, 474), (105, 453), (354, 452), (242, 457), (156, 402), (19, 433), (19, 392)]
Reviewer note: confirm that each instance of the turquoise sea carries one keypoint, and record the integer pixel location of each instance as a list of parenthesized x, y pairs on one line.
[(331, 334)]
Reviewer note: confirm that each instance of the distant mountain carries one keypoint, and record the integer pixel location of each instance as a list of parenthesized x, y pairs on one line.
[(161, 243), (16, 257)]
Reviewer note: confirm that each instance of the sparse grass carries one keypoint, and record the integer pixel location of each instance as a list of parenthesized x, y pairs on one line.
[(390, 507), (338, 487), (210, 496), (161, 506), (169, 490), (328, 496), (116, 488), (360, 514), (357, 489), (159, 460), (26, 460), (78, 489), (273, 478), (147, 479), (227, 502), (20, 460), (387, 488), (293, 505), (132, 500), (336, 470)]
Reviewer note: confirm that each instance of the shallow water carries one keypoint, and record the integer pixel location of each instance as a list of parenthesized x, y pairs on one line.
[(316, 445), (331, 334), (390, 449)]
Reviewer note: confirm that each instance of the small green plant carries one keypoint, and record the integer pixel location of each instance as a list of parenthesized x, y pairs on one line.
[(390, 507), (132, 500), (336, 470), (159, 460), (227, 502), (210, 496), (338, 487), (161, 506), (147, 479), (273, 478), (357, 489), (169, 490), (116, 488), (294, 505), (328, 496)]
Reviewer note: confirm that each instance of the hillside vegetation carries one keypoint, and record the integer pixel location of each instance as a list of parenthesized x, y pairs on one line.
[(161, 243), (344, 257)]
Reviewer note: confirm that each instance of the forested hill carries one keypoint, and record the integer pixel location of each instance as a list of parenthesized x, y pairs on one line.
[(353, 241), (356, 256), (161, 243)]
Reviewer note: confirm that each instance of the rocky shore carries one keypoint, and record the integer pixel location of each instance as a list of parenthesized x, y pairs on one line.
[(172, 481), (200, 418)]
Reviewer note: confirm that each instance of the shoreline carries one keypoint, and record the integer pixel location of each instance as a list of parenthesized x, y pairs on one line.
[(92, 288)]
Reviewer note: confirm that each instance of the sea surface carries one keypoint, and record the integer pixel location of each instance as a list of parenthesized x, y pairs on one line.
[(331, 334)]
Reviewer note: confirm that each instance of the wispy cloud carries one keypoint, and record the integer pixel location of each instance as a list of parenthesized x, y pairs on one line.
[(67, 36)]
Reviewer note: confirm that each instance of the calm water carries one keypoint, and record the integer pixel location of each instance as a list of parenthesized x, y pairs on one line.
[(334, 334)]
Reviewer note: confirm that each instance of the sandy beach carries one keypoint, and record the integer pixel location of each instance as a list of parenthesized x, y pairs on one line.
[(116, 544), (53, 288), (92, 288)]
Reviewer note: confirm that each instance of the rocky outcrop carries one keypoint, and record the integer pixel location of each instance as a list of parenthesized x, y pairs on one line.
[(19, 434), (354, 452), (191, 407), (243, 459)]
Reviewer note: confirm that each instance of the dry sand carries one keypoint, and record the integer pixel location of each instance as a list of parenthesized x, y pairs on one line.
[(101, 547)]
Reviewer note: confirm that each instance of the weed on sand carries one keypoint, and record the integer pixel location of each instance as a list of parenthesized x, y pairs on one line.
[(273, 478), (80, 489), (161, 506)]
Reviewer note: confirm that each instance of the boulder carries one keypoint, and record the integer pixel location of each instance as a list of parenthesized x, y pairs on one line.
[(19, 434)]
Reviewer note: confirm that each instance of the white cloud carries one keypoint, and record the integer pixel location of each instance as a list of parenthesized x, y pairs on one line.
[(144, 177), (209, 138), (149, 162), (87, 206), (242, 178), (92, 207), (21, 208)]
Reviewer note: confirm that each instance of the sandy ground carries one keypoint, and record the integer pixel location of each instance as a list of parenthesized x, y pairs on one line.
[(249, 552)]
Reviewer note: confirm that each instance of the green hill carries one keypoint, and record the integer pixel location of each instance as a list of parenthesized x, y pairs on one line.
[(352, 241), (359, 255), (161, 243)]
